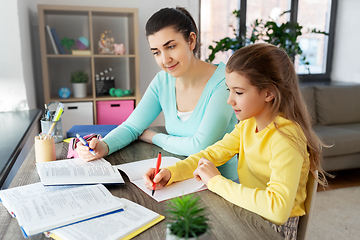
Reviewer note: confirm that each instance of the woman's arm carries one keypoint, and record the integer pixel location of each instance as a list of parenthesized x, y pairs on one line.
[(143, 115)]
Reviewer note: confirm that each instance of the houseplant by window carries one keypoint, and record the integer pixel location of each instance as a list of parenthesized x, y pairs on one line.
[(187, 219), (284, 35), (79, 81)]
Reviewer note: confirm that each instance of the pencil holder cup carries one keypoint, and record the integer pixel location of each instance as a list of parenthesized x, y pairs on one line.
[(45, 150), (57, 129)]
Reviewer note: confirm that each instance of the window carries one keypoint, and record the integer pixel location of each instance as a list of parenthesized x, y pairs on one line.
[(217, 22)]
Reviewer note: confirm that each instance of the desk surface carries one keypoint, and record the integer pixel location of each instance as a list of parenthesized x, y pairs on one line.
[(228, 221), (14, 127)]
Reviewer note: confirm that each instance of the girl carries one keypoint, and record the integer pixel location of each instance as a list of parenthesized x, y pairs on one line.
[(274, 139), (190, 92)]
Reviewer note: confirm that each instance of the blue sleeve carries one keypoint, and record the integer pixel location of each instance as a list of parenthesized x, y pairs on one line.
[(218, 118), (143, 115)]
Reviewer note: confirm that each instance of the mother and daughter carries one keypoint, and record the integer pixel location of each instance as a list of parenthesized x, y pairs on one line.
[(273, 144)]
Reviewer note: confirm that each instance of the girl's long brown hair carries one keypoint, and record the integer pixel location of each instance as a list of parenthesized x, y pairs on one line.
[(268, 67)]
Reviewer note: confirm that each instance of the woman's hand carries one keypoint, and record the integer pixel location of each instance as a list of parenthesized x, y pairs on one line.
[(205, 171), (161, 179), (147, 136), (100, 148)]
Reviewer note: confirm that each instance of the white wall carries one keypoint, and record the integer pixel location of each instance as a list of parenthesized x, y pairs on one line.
[(346, 62), (13, 94), (19, 18)]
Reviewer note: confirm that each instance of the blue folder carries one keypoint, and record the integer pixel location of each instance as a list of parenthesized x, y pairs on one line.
[(84, 130)]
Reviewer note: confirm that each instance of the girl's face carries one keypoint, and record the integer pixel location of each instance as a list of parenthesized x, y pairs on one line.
[(246, 99), (172, 52)]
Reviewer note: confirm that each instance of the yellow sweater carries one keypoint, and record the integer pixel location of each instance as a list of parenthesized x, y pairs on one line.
[(272, 170)]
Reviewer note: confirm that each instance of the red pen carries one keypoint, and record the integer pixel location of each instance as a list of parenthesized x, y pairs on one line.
[(158, 162)]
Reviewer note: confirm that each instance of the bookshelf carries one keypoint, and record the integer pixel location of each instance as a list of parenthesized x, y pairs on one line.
[(74, 22)]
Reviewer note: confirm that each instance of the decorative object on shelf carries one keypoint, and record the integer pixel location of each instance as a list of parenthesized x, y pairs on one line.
[(64, 93), (104, 83), (187, 219), (284, 35), (118, 92), (128, 92), (57, 41), (106, 43), (52, 39), (81, 52), (79, 81), (68, 43), (82, 43), (119, 49)]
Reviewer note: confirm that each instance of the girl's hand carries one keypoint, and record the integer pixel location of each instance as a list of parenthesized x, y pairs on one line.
[(205, 171), (161, 179), (100, 147), (147, 136)]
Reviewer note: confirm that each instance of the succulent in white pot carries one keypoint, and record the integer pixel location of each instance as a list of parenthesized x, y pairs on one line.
[(187, 219), (79, 81)]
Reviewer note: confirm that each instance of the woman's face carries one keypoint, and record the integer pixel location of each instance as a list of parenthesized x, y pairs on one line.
[(172, 52)]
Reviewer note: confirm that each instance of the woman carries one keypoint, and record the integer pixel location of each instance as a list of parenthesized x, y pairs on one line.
[(190, 92)]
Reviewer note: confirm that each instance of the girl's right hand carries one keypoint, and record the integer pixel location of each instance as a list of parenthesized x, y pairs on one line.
[(161, 179), (100, 147)]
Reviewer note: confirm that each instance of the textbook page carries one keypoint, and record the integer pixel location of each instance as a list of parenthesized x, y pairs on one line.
[(53, 207), (9, 197), (78, 171), (135, 171), (126, 224)]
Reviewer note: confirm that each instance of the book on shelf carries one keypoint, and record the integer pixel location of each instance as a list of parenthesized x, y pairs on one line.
[(40, 208), (135, 171), (81, 52), (121, 225), (78, 171), (57, 41), (52, 39)]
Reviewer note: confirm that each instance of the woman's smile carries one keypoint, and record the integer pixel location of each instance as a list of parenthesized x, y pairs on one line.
[(172, 67)]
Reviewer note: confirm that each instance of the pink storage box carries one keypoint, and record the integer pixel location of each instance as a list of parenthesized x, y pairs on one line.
[(113, 112)]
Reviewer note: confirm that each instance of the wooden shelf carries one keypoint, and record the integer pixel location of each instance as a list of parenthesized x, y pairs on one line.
[(75, 21)]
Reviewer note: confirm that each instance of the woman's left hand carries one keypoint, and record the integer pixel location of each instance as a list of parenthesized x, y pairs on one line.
[(205, 171), (147, 136)]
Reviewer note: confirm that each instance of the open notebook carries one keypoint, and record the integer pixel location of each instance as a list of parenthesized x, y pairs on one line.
[(121, 225), (135, 171), (78, 171)]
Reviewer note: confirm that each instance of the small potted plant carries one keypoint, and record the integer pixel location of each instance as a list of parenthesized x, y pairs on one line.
[(79, 81), (187, 219)]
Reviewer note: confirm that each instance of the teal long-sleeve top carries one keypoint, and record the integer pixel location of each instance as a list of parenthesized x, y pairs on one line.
[(210, 120)]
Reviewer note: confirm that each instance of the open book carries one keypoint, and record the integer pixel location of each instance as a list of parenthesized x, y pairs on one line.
[(135, 171), (40, 208), (78, 171), (121, 225)]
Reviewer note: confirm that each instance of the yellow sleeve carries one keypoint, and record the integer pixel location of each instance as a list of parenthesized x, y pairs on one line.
[(276, 202), (219, 153)]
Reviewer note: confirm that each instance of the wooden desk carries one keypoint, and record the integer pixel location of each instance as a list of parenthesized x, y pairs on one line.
[(228, 221)]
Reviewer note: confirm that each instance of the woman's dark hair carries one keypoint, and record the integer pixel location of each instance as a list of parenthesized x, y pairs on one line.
[(179, 18)]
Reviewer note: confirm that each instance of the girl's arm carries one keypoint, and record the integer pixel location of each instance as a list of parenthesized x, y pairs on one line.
[(216, 119), (276, 201), (219, 153), (143, 115)]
